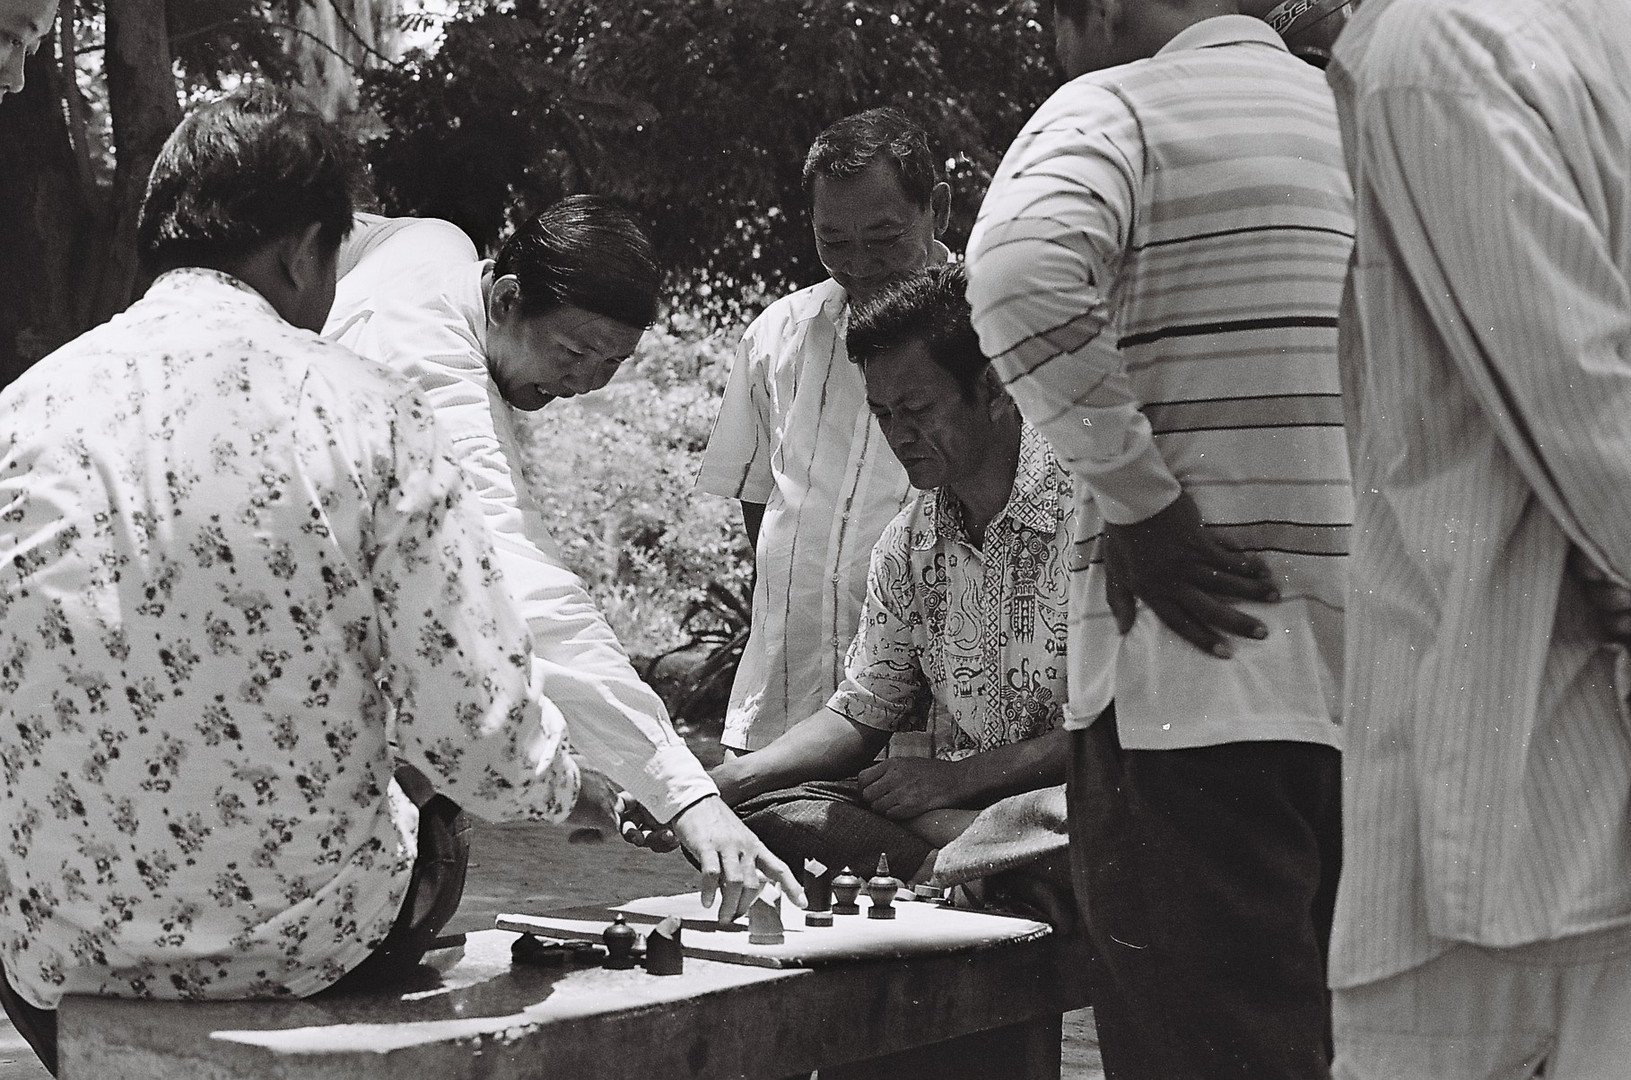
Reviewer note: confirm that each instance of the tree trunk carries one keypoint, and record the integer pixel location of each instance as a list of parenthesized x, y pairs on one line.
[(341, 39), (48, 219), (145, 107)]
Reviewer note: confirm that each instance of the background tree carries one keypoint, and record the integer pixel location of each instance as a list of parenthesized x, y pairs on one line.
[(698, 113), (103, 93)]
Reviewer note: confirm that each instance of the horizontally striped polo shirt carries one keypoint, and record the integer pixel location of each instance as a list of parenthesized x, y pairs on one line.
[(1156, 272)]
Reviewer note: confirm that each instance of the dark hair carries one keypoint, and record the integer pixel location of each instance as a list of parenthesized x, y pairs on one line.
[(931, 307), (586, 251), (885, 134), (240, 172)]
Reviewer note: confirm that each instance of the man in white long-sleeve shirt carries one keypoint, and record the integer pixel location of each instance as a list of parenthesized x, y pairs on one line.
[(563, 304)]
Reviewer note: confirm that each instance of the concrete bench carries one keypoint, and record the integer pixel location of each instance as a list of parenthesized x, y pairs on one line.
[(993, 1011)]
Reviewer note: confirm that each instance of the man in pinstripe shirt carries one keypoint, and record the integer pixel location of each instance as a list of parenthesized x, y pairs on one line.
[(1484, 923), (794, 442), (1156, 274)]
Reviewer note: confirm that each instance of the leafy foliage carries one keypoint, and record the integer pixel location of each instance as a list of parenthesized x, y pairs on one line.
[(698, 113)]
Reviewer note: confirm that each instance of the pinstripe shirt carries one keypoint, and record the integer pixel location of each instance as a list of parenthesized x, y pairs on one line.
[(794, 433), (1487, 370), (1156, 273)]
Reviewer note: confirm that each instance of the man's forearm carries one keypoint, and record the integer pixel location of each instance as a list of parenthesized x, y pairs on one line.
[(1008, 770), (825, 746)]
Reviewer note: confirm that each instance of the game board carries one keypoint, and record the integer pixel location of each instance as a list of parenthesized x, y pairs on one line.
[(919, 928)]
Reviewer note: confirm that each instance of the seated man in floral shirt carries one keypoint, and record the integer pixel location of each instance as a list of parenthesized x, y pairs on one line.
[(960, 651), (239, 575)]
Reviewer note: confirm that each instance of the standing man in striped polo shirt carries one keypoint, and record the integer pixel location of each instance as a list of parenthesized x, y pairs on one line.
[(1484, 923), (795, 442), (1156, 274)]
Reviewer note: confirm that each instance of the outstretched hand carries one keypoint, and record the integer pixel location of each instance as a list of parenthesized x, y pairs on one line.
[(1186, 576), (734, 862)]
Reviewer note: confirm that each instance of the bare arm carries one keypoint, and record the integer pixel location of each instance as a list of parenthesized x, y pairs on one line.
[(904, 788), (825, 746)]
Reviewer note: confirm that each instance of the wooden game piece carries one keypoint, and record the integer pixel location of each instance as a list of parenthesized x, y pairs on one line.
[(664, 954), (818, 893), (845, 888), (620, 939), (765, 919), (534, 952), (881, 890)]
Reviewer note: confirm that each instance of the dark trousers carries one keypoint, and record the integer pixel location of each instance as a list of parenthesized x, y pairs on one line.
[(433, 896), (828, 820), (1207, 878)]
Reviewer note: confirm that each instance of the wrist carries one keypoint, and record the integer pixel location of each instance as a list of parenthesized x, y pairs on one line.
[(732, 779)]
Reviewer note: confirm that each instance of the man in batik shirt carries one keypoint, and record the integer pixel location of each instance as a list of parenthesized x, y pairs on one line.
[(964, 619), (238, 569)]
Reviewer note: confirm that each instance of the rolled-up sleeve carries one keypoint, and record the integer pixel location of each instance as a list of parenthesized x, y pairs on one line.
[(884, 684), (1043, 261), (736, 464)]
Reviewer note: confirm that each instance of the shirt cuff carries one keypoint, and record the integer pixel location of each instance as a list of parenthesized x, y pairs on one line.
[(733, 482), (1136, 490), (868, 710), (672, 780)]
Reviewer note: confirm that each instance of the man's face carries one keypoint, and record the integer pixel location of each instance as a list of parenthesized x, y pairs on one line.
[(937, 433), (868, 232), (22, 24), (564, 352)]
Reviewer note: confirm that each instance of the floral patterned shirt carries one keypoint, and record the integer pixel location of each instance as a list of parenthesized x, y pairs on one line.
[(238, 571), (963, 642)]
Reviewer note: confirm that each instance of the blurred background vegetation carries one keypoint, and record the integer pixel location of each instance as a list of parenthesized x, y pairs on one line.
[(696, 113)]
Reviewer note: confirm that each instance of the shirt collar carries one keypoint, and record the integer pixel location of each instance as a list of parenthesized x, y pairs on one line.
[(187, 280), (1034, 502), (466, 287), (1224, 30)]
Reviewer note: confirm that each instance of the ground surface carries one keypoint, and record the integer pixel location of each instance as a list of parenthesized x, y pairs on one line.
[(520, 867)]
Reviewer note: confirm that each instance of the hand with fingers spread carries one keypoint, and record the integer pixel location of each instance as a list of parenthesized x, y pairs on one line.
[(1187, 577), (1610, 603), (904, 788), (733, 861)]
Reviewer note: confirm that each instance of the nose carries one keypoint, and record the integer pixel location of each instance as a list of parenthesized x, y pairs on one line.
[(590, 375), (11, 71)]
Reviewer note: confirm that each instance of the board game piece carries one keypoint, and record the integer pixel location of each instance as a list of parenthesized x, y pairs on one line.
[(881, 890), (620, 939), (845, 888), (817, 893), (933, 894), (664, 954), (534, 952), (765, 919)]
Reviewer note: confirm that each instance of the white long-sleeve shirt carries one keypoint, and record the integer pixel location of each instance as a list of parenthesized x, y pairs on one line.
[(413, 301)]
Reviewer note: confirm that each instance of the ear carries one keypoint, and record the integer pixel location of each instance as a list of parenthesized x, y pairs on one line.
[(940, 204), (304, 261), (504, 300), (997, 402)]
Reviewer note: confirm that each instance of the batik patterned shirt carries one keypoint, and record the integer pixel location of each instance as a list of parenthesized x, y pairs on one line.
[(966, 641), (237, 563)]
